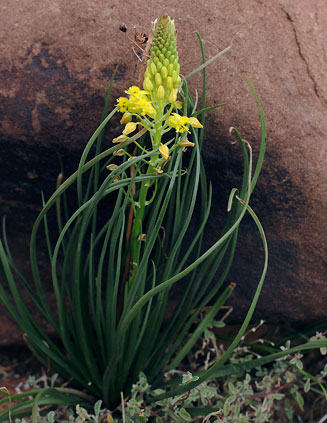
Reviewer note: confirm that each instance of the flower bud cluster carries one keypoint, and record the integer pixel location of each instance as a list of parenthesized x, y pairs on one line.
[(161, 78)]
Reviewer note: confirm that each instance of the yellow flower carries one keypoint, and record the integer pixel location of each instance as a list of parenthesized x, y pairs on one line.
[(194, 122), (164, 151), (179, 104), (130, 127), (186, 143), (138, 103), (181, 123), (178, 122), (122, 103), (132, 90)]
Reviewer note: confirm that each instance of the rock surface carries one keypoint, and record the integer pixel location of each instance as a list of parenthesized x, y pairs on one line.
[(55, 56)]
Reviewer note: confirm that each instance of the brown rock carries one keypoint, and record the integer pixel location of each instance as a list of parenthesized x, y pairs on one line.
[(54, 57)]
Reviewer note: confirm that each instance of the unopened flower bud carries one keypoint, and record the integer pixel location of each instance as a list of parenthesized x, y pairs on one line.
[(147, 84), (121, 138), (158, 79), (161, 93), (153, 68), (164, 72), (169, 82), (127, 117), (130, 127), (178, 82), (173, 95), (164, 151), (119, 152), (111, 167)]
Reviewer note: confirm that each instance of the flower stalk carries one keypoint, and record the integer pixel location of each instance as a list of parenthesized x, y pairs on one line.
[(153, 108)]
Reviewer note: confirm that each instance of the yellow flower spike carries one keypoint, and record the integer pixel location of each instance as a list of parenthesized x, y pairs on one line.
[(119, 139), (130, 127), (194, 122), (164, 151), (127, 117), (163, 62), (179, 104), (161, 93)]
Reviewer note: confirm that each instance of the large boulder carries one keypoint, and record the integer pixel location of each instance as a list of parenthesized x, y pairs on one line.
[(55, 56)]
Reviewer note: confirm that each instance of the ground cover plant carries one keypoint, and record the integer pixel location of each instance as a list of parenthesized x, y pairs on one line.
[(112, 277)]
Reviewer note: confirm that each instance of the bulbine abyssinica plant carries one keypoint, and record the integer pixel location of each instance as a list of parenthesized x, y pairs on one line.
[(120, 250)]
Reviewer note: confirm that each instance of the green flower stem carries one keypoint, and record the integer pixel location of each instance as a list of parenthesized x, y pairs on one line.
[(140, 205)]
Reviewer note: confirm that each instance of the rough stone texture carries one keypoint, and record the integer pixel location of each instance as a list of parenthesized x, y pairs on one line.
[(54, 57)]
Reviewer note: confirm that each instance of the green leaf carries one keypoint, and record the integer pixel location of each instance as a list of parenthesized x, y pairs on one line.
[(299, 399), (226, 407), (307, 386), (185, 415)]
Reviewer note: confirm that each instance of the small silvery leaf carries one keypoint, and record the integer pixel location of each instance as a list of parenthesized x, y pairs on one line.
[(299, 399), (53, 379), (188, 378), (97, 408), (307, 386), (185, 415), (51, 417), (219, 324), (226, 407), (299, 364), (277, 397)]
